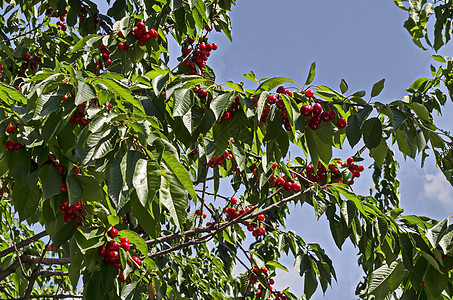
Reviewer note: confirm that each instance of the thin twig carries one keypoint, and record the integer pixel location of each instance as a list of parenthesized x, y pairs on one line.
[(24, 243)]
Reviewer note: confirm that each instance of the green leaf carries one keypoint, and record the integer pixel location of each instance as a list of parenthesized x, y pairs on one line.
[(397, 118), (379, 153), (353, 132), (377, 88), (421, 111), (25, 201), (84, 93), (50, 181), (271, 83), (343, 86), (75, 190), (221, 103), (159, 83), (140, 181), (120, 90), (435, 233), (184, 100), (180, 172), (82, 42), (372, 132), (174, 198), (136, 240), (130, 291), (276, 265), (386, 279), (311, 73)]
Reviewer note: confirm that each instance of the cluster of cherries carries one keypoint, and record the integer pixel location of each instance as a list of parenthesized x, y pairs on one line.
[(287, 183), (30, 64), (50, 12), (123, 45), (233, 213), (231, 111), (256, 232), (264, 273), (109, 251), (317, 116), (278, 102), (72, 212), (220, 161), (322, 173), (78, 117), (12, 145), (197, 55), (105, 54), (142, 35)]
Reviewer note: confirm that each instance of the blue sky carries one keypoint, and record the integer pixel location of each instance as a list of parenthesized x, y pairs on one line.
[(361, 41)]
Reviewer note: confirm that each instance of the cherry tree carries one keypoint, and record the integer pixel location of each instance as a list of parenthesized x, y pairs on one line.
[(123, 161)]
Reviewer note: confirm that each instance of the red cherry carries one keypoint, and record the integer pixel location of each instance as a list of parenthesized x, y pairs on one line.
[(126, 46), (198, 212), (77, 206), (60, 168), (274, 165), (341, 123), (271, 99), (79, 221), (26, 56), (207, 27), (214, 46), (123, 239), (333, 115), (153, 33), (360, 168), (113, 233), (288, 93), (117, 265), (64, 206), (1, 67), (10, 145), (280, 182), (356, 174), (204, 215), (272, 179), (120, 34), (325, 116), (51, 248), (10, 129), (125, 245), (317, 109), (309, 93), (102, 251), (113, 246), (113, 255), (261, 217), (120, 46), (140, 25), (64, 188), (136, 260), (234, 201), (350, 160), (226, 116), (287, 186), (306, 110), (67, 217), (295, 187), (280, 89)]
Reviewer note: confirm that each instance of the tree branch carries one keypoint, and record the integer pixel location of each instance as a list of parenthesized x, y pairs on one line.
[(24, 243)]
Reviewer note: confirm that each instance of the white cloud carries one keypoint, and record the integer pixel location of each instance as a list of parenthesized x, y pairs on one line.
[(437, 188)]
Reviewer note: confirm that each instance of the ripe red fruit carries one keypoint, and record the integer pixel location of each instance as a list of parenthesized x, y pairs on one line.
[(123, 239), (67, 217), (271, 99), (341, 123), (333, 115), (350, 160), (280, 182), (125, 245), (51, 248), (126, 46), (79, 221), (113, 246), (136, 260), (261, 217), (64, 188), (122, 277), (204, 215), (272, 179), (287, 186), (153, 33), (274, 165), (309, 93), (64, 206), (102, 251), (214, 46), (360, 168), (60, 168), (113, 255), (120, 34), (356, 174), (202, 93), (113, 233), (198, 212), (1, 67), (226, 116), (234, 200), (317, 109), (140, 25), (10, 145), (280, 89), (26, 56), (117, 265), (325, 116), (120, 46), (295, 187), (207, 27), (306, 110), (10, 129)]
